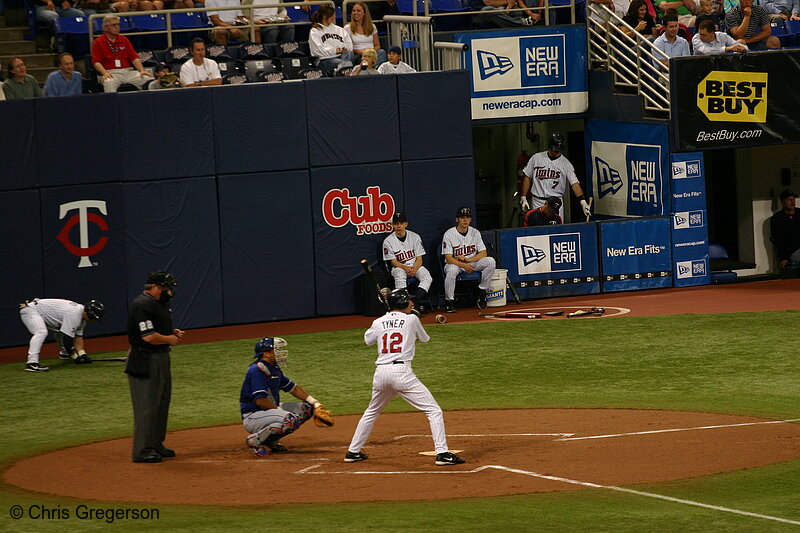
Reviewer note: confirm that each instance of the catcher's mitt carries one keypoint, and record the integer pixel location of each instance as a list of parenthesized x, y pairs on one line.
[(323, 417)]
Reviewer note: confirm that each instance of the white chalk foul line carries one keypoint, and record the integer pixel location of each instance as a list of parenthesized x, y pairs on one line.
[(563, 480), (491, 435), (673, 430)]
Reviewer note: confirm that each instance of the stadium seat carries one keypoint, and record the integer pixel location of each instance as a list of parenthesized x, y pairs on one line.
[(254, 67), (253, 51), (219, 52), (312, 73), (234, 78), (292, 67), (406, 7), (718, 253), (781, 30), (270, 77), (72, 35), (149, 23), (291, 49), (125, 25), (186, 21), (228, 67)]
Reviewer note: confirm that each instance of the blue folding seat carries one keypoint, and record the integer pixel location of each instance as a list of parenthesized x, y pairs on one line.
[(72, 35), (145, 23)]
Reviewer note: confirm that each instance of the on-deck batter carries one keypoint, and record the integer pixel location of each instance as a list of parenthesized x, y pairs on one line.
[(396, 334), (547, 174)]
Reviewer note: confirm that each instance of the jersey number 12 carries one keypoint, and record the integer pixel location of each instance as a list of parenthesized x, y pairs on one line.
[(392, 343)]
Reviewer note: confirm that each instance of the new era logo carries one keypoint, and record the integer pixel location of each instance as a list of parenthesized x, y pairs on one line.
[(691, 269), (688, 219), (608, 179), (490, 64), (531, 254), (686, 169)]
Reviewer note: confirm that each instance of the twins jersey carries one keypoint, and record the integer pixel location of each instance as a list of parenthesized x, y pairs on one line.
[(263, 380), (454, 243), (405, 251), (549, 177), (61, 315), (396, 334)]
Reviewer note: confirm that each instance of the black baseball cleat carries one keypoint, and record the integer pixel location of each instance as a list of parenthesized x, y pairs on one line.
[(165, 452), (276, 447), (64, 355), (351, 457), (450, 306), (82, 360), (36, 367), (448, 458), (481, 299)]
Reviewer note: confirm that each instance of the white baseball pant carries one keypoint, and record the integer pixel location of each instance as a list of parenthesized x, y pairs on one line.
[(401, 278), (276, 422), (399, 380), (485, 266), (120, 76), (36, 326)]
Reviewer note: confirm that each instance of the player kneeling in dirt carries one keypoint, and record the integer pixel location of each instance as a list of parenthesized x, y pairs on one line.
[(264, 417)]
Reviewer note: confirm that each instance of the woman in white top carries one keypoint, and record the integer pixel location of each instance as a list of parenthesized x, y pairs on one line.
[(363, 33), (329, 43)]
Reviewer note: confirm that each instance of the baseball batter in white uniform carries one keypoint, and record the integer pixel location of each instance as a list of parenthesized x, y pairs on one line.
[(396, 334), (464, 251), (403, 250), (66, 319), (547, 174)]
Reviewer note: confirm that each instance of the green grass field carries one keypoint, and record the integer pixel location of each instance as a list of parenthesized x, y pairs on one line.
[(736, 364)]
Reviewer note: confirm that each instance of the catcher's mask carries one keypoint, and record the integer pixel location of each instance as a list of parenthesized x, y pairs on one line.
[(94, 309), (277, 345)]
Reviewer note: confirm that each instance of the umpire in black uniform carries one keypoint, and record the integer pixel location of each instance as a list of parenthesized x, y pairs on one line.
[(151, 335)]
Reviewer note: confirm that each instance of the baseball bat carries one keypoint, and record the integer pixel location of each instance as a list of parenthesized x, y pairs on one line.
[(106, 359), (508, 281), (371, 275), (590, 205), (511, 314)]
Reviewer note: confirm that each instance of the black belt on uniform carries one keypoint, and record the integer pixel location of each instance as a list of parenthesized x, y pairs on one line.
[(27, 303), (544, 197), (393, 363)]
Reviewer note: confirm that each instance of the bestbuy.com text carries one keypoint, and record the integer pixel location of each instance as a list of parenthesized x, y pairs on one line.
[(522, 104), (727, 135)]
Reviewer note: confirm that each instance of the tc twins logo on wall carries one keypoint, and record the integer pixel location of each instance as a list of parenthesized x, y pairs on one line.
[(370, 214), (82, 218)]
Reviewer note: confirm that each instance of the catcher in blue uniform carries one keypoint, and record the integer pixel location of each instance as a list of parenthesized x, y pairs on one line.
[(263, 416)]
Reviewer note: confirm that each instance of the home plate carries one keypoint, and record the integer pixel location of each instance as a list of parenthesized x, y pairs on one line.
[(432, 454)]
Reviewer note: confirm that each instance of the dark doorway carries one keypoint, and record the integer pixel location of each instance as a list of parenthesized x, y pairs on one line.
[(722, 219)]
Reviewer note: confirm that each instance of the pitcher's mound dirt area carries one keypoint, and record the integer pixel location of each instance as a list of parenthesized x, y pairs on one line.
[(505, 450)]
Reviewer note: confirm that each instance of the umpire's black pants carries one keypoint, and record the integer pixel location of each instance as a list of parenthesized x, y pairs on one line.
[(151, 397)]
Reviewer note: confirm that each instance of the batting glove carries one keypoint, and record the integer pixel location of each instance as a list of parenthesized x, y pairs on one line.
[(587, 211), (523, 204)]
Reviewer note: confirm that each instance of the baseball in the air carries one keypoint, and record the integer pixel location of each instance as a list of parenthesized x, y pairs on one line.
[(441, 319)]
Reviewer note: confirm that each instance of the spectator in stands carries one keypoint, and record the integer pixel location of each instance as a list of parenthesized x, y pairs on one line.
[(274, 32), (329, 43), (199, 71), (367, 65), (395, 65), (640, 20), (707, 41), (64, 81), (225, 22), (545, 215), (670, 42), (498, 13), (749, 25), (47, 12), (19, 84), (709, 11), (686, 10), (363, 33), (115, 59), (782, 9), (93, 7), (125, 6), (784, 228), (165, 78)]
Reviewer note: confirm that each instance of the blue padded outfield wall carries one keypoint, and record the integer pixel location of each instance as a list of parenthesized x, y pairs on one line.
[(261, 199), (690, 225)]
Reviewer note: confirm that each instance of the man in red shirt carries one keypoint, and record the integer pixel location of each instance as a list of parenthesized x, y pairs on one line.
[(113, 56)]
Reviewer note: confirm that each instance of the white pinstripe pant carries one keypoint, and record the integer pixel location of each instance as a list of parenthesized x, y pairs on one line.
[(399, 380), (485, 266)]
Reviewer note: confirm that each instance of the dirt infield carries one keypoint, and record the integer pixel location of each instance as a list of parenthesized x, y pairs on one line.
[(508, 452)]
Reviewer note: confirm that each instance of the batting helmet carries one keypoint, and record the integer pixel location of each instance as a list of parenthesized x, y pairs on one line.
[(273, 344), (94, 310), (557, 142), (398, 298), (162, 278)]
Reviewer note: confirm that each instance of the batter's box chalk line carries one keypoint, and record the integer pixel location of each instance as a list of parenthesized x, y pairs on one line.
[(312, 470)]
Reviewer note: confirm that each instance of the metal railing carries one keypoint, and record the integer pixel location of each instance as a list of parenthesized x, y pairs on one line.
[(631, 57), (448, 56), (545, 8), (414, 35), (250, 25)]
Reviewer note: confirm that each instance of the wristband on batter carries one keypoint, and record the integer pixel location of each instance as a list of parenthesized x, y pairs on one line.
[(581, 198), (313, 401)]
